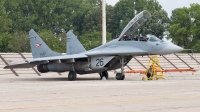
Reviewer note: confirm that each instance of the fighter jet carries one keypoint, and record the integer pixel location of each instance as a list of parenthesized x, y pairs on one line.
[(110, 56)]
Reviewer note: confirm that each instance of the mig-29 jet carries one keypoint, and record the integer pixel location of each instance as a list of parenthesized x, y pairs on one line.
[(110, 56)]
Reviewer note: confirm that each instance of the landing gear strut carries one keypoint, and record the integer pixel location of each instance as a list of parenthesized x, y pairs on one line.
[(72, 75), (104, 74), (121, 76)]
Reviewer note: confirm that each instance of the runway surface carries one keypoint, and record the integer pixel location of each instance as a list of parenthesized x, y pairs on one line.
[(178, 93)]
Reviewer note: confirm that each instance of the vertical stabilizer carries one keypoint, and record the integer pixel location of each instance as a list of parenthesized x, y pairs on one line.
[(73, 44), (39, 48)]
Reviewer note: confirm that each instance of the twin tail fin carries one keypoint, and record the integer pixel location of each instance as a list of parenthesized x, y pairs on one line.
[(73, 44), (39, 48)]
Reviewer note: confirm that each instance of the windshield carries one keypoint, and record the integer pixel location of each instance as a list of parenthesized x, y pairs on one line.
[(153, 38)]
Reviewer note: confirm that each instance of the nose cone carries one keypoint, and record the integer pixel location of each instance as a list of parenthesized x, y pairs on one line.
[(171, 48)]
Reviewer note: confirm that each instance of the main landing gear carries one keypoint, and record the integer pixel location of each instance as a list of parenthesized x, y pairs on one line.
[(72, 75), (104, 74), (121, 76)]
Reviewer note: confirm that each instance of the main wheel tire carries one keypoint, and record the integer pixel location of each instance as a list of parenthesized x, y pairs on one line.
[(72, 75), (104, 74), (123, 77), (118, 76)]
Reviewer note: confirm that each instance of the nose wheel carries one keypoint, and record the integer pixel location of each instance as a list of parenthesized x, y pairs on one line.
[(121, 76)]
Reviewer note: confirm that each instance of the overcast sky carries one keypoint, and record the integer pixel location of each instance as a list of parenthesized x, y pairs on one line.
[(167, 5)]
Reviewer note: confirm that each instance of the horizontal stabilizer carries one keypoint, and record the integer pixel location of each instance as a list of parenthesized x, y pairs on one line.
[(24, 65)]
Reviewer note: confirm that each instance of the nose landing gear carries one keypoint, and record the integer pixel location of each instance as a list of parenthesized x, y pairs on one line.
[(121, 76)]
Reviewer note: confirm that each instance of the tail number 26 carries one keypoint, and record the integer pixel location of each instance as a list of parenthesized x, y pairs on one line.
[(99, 62)]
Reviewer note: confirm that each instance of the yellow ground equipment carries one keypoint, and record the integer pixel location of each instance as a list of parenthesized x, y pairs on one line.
[(156, 71), (155, 68)]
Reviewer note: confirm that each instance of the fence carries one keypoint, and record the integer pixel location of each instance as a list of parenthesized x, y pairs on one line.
[(138, 62)]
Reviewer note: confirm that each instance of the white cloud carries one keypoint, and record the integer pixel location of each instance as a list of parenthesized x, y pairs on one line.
[(111, 2)]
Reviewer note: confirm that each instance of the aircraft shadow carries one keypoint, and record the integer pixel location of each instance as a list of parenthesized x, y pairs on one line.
[(57, 79)]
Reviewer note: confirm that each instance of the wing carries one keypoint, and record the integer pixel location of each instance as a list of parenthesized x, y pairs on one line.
[(64, 57), (35, 61)]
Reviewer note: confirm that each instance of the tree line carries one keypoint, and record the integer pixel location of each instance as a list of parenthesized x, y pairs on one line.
[(51, 19)]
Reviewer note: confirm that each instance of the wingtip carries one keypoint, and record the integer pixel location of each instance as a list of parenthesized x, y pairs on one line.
[(6, 67)]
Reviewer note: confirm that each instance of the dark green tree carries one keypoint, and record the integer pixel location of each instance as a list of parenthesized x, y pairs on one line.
[(93, 39), (5, 24), (52, 19), (185, 27), (125, 10), (56, 16)]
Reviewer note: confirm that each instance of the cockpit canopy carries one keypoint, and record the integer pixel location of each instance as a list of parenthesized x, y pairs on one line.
[(128, 32), (135, 24)]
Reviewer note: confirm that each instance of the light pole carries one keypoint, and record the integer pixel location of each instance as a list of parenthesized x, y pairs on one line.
[(103, 21)]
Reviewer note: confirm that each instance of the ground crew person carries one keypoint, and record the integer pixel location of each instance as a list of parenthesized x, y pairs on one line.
[(150, 72)]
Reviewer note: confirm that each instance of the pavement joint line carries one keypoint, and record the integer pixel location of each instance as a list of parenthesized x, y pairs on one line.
[(101, 102), (112, 95)]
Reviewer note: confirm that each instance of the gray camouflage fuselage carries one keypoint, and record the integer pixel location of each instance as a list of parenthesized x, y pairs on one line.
[(128, 49)]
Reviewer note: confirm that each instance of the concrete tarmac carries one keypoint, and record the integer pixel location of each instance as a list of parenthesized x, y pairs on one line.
[(178, 93)]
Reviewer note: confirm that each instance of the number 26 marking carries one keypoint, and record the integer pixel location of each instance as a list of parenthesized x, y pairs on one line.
[(99, 62)]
